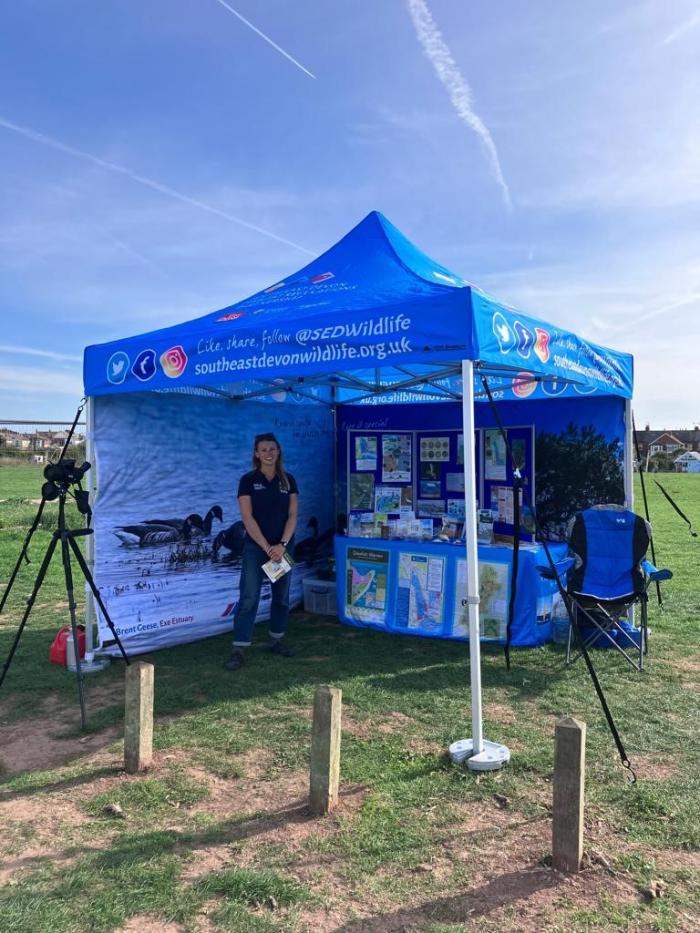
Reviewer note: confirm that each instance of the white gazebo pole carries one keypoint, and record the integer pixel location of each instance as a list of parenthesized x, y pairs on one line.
[(480, 754), (91, 665)]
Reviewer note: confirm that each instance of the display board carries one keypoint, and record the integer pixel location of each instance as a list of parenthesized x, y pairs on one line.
[(415, 588), (497, 472), (395, 472)]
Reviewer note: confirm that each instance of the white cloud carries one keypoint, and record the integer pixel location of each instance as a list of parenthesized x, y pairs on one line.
[(22, 379), (439, 55)]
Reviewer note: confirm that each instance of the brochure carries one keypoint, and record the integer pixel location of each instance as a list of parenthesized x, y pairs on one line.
[(276, 569)]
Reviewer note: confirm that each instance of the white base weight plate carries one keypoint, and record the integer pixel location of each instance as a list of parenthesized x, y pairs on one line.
[(490, 758), (91, 667)]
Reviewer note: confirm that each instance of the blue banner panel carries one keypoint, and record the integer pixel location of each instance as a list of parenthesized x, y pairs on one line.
[(173, 462), (415, 588), (507, 338)]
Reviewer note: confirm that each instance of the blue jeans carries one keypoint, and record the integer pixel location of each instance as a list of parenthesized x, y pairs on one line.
[(252, 576)]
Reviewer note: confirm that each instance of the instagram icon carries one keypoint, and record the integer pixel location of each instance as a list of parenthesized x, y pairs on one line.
[(174, 362)]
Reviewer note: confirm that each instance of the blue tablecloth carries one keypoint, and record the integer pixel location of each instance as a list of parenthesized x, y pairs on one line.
[(418, 588)]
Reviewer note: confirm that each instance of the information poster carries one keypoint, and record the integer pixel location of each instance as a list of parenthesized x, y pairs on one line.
[(387, 499), (455, 509), (435, 448), (493, 596), (366, 591), (430, 508), (396, 458), (419, 604), (494, 456), (365, 453), (361, 491), (454, 482), (502, 503)]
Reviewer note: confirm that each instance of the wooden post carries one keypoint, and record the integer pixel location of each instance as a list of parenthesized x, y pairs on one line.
[(325, 750), (567, 811), (138, 717)]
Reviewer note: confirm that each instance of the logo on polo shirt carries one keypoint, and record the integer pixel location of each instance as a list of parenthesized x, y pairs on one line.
[(258, 486)]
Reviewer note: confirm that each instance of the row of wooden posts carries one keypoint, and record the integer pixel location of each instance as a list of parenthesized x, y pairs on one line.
[(324, 774)]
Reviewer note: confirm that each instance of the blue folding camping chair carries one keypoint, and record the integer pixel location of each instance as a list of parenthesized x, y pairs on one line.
[(609, 574)]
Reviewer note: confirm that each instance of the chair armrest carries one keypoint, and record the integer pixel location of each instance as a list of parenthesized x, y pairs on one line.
[(561, 568), (655, 575)]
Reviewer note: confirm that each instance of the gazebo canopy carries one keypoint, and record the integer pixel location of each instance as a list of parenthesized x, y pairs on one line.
[(371, 315)]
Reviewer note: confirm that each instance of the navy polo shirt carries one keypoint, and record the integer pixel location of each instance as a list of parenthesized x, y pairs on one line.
[(270, 502)]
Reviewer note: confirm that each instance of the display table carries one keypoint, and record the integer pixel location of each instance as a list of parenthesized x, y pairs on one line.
[(418, 588)]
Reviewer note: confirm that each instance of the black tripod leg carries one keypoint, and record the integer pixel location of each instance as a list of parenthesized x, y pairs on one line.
[(30, 602), (22, 554), (65, 554), (96, 593)]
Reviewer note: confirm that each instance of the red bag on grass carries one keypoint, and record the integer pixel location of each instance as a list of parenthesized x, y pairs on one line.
[(57, 651)]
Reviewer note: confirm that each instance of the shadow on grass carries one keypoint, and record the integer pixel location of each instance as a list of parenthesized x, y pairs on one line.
[(369, 666), (143, 846), (38, 784), (506, 890)]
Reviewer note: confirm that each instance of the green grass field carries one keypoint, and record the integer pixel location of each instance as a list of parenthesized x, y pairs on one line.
[(217, 837)]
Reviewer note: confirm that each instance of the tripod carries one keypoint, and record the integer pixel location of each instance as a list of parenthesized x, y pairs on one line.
[(66, 537)]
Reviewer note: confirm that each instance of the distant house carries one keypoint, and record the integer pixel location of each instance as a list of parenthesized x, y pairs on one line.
[(665, 444), (15, 439), (688, 462)]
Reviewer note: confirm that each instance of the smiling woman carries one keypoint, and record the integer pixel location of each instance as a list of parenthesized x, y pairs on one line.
[(269, 499)]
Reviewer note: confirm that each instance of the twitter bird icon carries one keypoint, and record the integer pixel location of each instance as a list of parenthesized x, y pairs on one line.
[(118, 367)]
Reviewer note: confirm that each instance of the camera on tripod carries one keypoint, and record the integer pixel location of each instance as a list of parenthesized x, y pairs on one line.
[(61, 476)]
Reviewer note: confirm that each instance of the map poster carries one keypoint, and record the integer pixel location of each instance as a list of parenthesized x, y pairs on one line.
[(366, 453), (396, 458), (493, 606), (366, 571), (419, 603)]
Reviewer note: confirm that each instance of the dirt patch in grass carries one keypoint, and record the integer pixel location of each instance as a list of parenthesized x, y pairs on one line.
[(143, 923), (266, 812), (651, 768), (498, 886), (500, 713), (686, 664), (385, 725), (37, 744)]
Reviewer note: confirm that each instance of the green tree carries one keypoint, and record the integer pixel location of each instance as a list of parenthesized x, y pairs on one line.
[(575, 470)]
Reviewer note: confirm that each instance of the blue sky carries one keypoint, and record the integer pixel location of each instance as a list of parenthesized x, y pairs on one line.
[(160, 160)]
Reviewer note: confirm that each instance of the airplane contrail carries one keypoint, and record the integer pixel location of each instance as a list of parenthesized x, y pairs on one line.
[(35, 351), (459, 91), (143, 180), (684, 27), (266, 38)]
